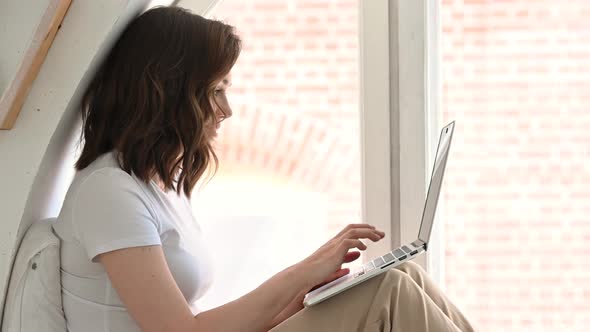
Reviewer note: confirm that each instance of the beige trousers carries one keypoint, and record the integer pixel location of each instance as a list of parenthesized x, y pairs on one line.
[(401, 299)]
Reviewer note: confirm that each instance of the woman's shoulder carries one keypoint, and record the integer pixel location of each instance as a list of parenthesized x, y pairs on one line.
[(102, 193), (104, 179), (105, 171)]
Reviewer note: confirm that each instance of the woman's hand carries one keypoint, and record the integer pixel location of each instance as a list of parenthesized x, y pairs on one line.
[(297, 303), (325, 264)]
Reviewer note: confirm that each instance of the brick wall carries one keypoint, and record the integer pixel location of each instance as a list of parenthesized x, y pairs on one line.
[(295, 98), (516, 77)]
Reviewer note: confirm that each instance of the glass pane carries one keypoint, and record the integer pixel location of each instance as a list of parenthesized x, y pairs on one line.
[(516, 77), (289, 176)]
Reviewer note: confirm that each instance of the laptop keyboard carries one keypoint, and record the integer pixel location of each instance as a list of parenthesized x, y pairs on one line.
[(378, 261), (398, 254), (388, 257)]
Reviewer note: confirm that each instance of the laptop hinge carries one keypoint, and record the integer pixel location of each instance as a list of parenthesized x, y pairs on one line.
[(419, 243)]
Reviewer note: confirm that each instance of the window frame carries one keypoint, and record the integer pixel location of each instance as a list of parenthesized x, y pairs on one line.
[(399, 102), (374, 103), (435, 259)]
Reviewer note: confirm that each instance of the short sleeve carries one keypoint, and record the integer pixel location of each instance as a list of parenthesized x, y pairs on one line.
[(112, 212)]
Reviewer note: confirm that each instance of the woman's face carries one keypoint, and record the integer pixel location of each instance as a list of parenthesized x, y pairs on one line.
[(221, 104)]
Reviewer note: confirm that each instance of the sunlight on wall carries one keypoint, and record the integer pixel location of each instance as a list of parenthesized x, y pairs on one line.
[(256, 225)]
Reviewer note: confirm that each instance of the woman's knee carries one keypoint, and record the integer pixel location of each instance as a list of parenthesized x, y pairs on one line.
[(397, 276), (410, 267), (398, 283)]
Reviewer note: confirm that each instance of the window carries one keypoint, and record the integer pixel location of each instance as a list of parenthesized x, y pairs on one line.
[(289, 176), (516, 78)]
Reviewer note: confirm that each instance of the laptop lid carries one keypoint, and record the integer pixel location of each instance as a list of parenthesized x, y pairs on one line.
[(438, 171)]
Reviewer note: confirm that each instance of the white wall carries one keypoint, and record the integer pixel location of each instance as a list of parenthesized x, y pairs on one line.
[(32, 154)]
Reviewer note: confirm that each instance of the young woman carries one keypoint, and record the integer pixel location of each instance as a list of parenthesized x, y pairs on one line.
[(132, 255)]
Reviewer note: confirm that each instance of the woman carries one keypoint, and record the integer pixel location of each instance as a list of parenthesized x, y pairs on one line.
[(132, 255)]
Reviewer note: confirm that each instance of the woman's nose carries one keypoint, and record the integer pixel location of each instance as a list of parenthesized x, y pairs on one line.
[(228, 112), (224, 111)]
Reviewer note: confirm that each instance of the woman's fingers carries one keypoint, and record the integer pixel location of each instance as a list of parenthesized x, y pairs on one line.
[(353, 226), (351, 256), (335, 252), (353, 243), (363, 233)]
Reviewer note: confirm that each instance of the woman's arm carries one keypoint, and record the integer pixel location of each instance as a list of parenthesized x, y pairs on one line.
[(297, 303), (256, 310), (145, 285)]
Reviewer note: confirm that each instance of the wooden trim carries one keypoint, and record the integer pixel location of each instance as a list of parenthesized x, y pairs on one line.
[(16, 92)]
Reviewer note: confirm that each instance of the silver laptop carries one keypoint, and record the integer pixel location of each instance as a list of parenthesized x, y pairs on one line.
[(406, 252)]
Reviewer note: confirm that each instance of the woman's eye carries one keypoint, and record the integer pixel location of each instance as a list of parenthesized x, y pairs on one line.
[(218, 92)]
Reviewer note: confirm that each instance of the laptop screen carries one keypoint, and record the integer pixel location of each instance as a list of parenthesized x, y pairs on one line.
[(442, 152)]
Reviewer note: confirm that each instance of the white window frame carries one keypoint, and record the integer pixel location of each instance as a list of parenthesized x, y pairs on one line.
[(399, 92), (374, 45), (435, 259)]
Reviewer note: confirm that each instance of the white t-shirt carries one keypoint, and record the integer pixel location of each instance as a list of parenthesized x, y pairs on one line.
[(107, 209)]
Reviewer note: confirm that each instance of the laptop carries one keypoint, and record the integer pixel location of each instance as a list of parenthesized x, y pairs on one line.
[(404, 253)]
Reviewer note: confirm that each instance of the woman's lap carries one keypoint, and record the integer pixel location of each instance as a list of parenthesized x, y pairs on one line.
[(394, 299), (347, 311)]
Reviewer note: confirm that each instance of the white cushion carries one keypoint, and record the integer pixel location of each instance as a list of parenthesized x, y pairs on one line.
[(34, 302)]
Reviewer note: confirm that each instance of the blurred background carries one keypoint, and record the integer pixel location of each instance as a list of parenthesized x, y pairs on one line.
[(289, 176), (515, 76)]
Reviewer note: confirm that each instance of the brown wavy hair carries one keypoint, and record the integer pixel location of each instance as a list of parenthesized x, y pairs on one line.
[(151, 99)]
